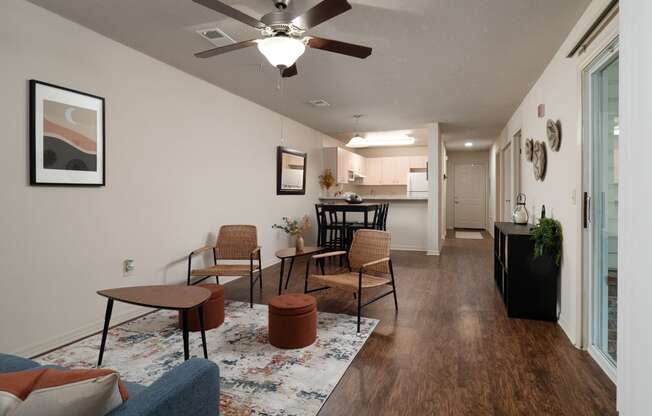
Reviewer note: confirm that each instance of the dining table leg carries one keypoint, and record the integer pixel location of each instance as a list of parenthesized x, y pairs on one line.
[(344, 241), (366, 219), (289, 273), (280, 278), (186, 348), (105, 330), (201, 327)]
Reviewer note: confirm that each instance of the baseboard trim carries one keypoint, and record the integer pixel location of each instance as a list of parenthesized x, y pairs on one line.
[(432, 253), (40, 348), (408, 248)]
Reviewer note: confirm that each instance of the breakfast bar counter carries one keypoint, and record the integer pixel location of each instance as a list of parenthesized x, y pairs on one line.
[(406, 219)]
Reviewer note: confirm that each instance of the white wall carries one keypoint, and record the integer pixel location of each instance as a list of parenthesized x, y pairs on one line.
[(635, 262), (559, 89), (457, 158), (493, 189), (183, 157)]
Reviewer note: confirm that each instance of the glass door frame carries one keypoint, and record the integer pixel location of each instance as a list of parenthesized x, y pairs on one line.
[(592, 291)]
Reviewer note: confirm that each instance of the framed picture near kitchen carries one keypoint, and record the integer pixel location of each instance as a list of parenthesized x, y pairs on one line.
[(67, 140), (290, 172)]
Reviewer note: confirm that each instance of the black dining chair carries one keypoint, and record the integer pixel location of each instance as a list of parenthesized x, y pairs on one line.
[(329, 229)]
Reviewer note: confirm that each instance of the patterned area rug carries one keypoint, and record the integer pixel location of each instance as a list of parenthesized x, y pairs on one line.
[(255, 377)]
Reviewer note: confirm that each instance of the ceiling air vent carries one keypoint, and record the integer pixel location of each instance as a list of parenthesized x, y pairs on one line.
[(215, 36), (319, 103)]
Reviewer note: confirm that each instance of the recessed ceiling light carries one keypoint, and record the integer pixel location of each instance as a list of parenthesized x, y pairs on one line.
[(468, 144)]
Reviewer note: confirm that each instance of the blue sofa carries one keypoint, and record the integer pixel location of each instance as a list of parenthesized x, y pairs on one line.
[(192, 388)]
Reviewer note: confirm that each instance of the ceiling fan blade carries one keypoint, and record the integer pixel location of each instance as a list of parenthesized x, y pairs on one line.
[(220, 7), (289, 72), (225, 49), (322, 12), (339, 47)]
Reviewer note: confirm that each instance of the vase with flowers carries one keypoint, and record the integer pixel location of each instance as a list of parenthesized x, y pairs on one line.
[(295, 228), (326, 181)]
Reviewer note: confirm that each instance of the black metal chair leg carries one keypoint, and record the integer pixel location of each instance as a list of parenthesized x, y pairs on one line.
[(200, 309), (105, 331), (391, 271), (359, 306), (359, 298), (251, 289), (260, 273)]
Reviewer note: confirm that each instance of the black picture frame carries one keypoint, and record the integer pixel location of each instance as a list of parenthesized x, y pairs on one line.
[(33, 176), (280, 151)]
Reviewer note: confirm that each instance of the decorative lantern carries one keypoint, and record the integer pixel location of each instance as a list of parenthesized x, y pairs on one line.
[(520, 214)]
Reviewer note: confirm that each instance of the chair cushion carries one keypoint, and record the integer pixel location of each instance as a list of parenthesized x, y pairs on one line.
[(224, 270), (292, 304), (350, 280), (61, 392)]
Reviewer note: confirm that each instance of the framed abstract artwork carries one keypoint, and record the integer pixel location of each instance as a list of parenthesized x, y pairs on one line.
[(67, 140)]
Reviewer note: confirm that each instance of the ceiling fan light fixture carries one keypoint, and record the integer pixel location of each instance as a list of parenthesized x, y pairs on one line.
[(281, 51)]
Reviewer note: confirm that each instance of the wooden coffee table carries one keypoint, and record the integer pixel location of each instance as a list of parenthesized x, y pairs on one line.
[(178, 298), (291, 253)]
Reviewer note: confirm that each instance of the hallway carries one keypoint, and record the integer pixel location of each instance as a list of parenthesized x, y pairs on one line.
[(451, 349)]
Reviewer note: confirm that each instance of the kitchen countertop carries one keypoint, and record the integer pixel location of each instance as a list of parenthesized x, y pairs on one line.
[(378, 198)]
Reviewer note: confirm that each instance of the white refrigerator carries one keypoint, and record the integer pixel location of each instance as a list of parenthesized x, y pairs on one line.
[(418, 184)]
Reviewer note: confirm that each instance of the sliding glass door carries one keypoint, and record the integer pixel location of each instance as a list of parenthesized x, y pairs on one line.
[(601, 205)]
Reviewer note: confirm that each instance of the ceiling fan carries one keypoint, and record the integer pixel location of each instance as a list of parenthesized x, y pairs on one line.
[(283, 32)]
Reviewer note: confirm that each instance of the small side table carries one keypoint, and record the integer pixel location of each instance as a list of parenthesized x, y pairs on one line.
[(178, 298), (291, 253)]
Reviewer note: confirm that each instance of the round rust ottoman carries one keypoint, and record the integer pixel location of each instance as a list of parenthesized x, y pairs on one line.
[(213, 310), (292, 321)]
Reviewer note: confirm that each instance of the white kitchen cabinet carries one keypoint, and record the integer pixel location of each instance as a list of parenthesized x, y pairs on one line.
[(378, 170), (373, 171), (394, 170), (358, 163), (341, 162)]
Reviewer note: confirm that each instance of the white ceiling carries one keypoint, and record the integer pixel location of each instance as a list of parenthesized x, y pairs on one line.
[(464, 63)]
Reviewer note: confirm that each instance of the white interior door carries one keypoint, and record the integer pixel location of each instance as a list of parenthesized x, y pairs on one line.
[(507, 183), (470, 190)]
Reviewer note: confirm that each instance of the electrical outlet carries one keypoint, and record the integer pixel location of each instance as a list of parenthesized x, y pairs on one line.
[(128, 267)]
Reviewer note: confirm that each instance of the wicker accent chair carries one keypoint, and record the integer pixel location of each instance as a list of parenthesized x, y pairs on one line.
[(370, 266), (234, 243)]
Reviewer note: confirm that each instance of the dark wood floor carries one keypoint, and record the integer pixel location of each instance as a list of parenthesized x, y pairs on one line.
[(451, 350)]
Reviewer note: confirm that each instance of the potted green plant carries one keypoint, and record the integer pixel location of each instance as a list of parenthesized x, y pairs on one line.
[(295, 228), (547, 237)]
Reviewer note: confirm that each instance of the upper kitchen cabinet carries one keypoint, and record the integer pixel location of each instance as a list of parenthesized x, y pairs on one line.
[(349, 167), (346, 166), (394, 170), (373, 171)]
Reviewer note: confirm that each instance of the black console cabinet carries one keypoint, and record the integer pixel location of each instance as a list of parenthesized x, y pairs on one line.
[(527, 285)]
